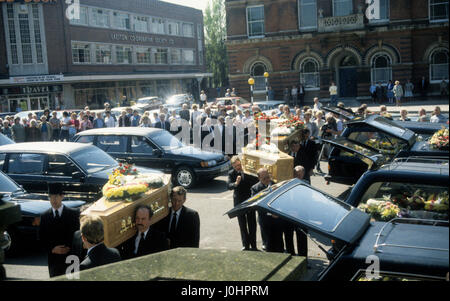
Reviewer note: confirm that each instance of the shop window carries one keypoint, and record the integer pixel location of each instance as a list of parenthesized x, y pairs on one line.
[(309, 73), (175, 56), (342, 7), (161, 56), (307, 10), (81, 53), (255, 21), (143, 55), (103, 54), (124, 55), (439, 65), (438, 10), (381, 70), (257, 72)]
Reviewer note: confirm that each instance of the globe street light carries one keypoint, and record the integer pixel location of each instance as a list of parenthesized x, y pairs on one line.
[(266, 76), (251, 82)]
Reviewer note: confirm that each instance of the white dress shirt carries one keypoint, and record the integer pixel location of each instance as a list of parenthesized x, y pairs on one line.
[(60, 210), (138, 240)]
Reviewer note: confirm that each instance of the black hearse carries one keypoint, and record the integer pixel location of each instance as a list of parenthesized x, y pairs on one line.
[(361, 249), (377, 137), (158, 149)]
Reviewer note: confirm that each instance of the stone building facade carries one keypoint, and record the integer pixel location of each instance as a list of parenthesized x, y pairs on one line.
[(85, 52), (315, 42)]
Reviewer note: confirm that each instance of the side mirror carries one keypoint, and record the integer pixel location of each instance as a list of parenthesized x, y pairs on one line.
[(78, 176), (157, 152)]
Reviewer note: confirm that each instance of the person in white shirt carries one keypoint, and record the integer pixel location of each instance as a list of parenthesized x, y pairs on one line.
[(317, 105), (294, 93), (110, 122), (333, 94), (203, 97)]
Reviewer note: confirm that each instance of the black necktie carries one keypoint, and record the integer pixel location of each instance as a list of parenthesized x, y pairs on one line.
[(141, 242), (56, 214), (173, 225)]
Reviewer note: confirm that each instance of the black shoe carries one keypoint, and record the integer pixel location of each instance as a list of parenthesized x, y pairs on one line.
[(245, 249), (254, 249), (264, 247)]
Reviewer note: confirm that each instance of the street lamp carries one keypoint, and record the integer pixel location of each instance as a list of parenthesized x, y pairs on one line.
[(266, 76), (251, 82)]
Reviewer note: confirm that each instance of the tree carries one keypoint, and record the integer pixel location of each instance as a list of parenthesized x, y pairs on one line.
[(215, 35)]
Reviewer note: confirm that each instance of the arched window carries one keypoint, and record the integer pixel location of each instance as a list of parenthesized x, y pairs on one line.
[(257, 72), (381, 68), (309, 73), (439, 65)]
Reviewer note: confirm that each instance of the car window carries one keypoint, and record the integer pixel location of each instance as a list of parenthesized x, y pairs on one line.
[(140, 145), (386, 144), (166, 141), (6, 184), (93, 160), (386, 200), (59, 165), (32, 164), (112, 144), (86, 139)]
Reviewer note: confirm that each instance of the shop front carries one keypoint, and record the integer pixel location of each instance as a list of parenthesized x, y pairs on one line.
[(30, 98)]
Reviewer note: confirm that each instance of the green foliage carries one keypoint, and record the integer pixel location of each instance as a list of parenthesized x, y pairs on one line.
[(215, 36)]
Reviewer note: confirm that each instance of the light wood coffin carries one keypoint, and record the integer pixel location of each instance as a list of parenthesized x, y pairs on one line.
[(280, 165), (118, 217), (283, 141)]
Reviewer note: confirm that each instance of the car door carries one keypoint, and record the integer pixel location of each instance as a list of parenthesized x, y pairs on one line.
[(60, 169), (28, 169), (115, 145), (144, 153)]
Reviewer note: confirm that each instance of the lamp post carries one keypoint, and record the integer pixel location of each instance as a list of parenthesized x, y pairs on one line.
[(251, 82), (266, 76)]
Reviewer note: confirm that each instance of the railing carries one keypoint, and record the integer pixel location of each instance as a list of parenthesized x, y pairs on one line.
[(349, 22)]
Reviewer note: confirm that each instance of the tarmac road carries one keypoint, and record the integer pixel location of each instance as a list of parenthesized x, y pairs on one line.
[(211, 199)]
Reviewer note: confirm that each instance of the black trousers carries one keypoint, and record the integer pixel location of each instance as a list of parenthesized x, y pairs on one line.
[(247, 225), (302, 243), (57, 264)]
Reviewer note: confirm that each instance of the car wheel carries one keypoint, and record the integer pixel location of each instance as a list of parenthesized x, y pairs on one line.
[(14, 244), (184, 176)]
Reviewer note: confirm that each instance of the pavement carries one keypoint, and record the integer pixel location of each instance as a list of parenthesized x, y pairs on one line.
[(411, 106)]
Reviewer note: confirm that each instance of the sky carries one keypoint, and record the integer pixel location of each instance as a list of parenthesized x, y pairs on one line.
[(198, 4)]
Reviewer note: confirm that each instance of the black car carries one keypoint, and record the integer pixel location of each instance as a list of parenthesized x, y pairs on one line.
[(158, 149), (83, 169), (415, 187), (32, 206), (403, 248), (374, 136)]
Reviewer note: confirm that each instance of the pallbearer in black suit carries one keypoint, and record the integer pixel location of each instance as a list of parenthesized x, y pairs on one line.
[(147, 240), (242, 184), (98, 254), (58, 225), (182, 225)]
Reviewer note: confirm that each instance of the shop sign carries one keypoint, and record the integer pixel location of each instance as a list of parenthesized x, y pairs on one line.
[(27, 90), (140, 39), (36, 79)]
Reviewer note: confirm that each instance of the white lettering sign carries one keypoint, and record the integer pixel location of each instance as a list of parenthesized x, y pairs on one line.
[(36, 79)]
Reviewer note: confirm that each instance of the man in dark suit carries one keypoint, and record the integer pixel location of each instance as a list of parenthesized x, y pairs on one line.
[(182, 225), (271, 229), (98, 254), (185, 113), (423, 86), (163, 123), (306, 155), (124, 119), (58, 225), (242, 184), (147, 240)]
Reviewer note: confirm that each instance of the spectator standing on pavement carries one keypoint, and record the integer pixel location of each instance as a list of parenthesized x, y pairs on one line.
[(124, 120), (333, 94), (390, 92), (86, 124), (404, 115), (271, 93), (109, 120), (443, 88), (398, 93), (379, 93), (228, 93), (45, 129), (98, 121), (145, 122), (65, 124), (307, 154), (423, 85), (203, 98), (423, 116), (135, 119), (233, 92), (301, 95), (409, 87), (18, 131), (92, 235), (437, 116), (6, 130), (294, 96), (312, 126), (286, 95), (317, 105), (55, 123), (241, 185)]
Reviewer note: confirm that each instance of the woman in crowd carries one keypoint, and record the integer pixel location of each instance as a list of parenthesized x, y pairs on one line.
[(45, 128)]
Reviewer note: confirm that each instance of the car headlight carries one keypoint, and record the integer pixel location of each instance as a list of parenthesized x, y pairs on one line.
[(208, 163)]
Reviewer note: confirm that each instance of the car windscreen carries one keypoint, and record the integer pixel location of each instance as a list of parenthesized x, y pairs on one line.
[(6, 185), (94, 159), (166, 141), (311, 207)]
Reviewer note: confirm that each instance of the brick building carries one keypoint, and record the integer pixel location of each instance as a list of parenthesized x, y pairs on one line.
[(319, 41), (86, 52)]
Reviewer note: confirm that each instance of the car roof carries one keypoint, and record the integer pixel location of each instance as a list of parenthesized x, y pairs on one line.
[(435, 166), (139, 131), (44, 147)]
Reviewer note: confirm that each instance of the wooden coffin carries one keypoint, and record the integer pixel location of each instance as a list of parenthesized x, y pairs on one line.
[(118, 217), (279, 165), (283, 141)]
